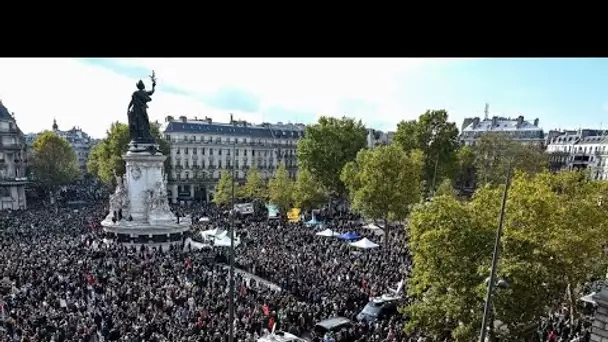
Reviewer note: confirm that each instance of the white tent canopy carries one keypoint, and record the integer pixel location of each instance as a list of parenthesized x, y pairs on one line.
[(364, 244), (204, 219), (372, 226), (377, 230), (327, 232)]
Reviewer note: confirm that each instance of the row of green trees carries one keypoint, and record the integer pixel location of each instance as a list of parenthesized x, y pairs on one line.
[(280, 190), (425, 153), (552, 245)]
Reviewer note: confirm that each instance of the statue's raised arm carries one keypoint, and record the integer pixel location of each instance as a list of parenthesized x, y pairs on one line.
[(153, 79)]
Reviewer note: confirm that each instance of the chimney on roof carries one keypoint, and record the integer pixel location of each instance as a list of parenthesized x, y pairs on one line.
[(168, 118), (231, 118), (183, 118), (536, 122), (494, 121), (520, 120)]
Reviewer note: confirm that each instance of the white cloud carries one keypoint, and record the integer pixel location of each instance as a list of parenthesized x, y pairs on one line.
[(80, 94), (77, 94), (315, 85)]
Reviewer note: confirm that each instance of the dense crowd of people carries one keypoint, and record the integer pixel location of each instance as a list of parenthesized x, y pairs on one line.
[(61, 279)]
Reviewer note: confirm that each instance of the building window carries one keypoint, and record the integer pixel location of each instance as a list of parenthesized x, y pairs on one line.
[(193, 138), (203, 151), (168, 137), (185, 150), (194, 150)]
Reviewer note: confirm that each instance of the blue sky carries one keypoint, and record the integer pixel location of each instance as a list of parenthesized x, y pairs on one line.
[(91, 93)]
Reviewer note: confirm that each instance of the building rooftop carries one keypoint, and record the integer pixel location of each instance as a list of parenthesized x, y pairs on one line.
[(4, 113), (581, 137), (501, 125), (237, 128)]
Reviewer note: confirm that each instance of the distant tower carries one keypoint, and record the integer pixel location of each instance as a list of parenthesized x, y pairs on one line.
[(55, 127), (486, 112)]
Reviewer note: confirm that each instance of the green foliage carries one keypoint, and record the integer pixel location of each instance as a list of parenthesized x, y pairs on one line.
[(552, 222), (54, 162), (329, 145), (307, 194), (465, 157), (255, 186), (383, 182), (493, 152), (445, 189), (280, 189), (106, 157), (436, 138), (223, 190)]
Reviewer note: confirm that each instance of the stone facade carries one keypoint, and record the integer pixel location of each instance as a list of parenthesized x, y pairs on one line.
[(13, 161), (202, 148)]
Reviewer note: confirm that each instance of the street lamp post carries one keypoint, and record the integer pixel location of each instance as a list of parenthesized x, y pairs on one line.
[(232, 285), (495, 257)]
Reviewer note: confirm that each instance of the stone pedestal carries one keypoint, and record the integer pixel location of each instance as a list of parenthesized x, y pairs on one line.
[(141, 197)]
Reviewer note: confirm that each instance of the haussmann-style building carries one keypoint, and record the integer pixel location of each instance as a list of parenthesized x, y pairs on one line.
[(13, 161), (202, 148)]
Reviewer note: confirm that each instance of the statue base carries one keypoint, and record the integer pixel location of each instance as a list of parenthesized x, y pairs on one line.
[(140, 146), (143, 203)]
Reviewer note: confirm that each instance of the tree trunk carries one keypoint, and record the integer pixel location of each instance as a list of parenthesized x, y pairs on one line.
[(572, 303), (386, 233)]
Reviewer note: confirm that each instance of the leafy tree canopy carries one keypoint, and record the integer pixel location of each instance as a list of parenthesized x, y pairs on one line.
[(106, 157), (307, 194), (436, 138), (552, 222), (255, 185), (327, 146), (54, 162), (493, 152), (383, 182), (280, 189), (223, 190)]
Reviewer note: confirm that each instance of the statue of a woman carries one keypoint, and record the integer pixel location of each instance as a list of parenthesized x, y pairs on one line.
[(139, 124)]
